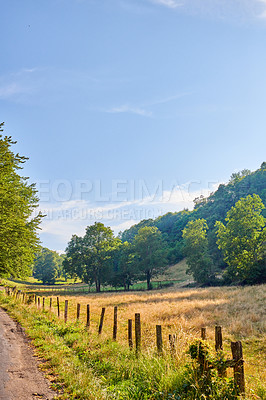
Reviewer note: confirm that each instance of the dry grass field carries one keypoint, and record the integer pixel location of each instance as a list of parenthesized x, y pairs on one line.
[(239, 310)]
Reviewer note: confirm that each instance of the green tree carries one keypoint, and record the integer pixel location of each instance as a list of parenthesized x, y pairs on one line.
[(73, 262), (150, 253), (242, 240), (98, 244), (18, 199), (199, 262), (47, 266), (124, 271), (90, 257), (238, 176)]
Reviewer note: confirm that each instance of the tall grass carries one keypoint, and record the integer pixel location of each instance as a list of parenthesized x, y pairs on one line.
[(93, 367)]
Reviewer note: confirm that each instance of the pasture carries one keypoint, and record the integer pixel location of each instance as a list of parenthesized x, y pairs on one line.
[(239, 310)]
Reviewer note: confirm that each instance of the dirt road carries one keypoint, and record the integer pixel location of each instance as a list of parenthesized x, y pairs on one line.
[(20, 378)]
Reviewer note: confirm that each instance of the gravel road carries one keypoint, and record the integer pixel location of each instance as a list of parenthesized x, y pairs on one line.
[(20, 378)]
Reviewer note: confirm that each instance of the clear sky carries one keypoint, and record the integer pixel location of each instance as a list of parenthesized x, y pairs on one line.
[(128, 109)]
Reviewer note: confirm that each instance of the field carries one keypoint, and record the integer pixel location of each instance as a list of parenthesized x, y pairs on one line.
[(239, 310), (175, 274)]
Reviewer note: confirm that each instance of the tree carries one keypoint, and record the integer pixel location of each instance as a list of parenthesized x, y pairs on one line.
[(47, 266), (199, 262), (98, 243), (124, 271), (242, 240), (237, 176), (73, 262), (150, 253), (18, 199), (90, 257)]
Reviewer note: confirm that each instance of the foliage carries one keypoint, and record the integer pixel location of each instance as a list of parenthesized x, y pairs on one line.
[(73, 262), (237, 176), (150, 253), (90, 257), (18, 233), (205, 382), (180, 234), (98, 244), (124, 268), (47, 266), (196, 249), (213, 208), (243, 239)]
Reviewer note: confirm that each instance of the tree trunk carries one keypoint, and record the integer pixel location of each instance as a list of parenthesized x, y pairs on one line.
[(148, 280), (98, 286)]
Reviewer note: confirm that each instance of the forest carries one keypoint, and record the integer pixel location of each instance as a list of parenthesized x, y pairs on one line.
[(223, 239)]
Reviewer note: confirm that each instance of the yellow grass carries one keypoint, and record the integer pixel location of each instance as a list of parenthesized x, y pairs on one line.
[(239, 310), (176, 272)]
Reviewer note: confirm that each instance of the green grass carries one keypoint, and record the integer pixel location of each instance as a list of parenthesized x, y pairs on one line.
[(177, 272), (174, 275), (31, 281)]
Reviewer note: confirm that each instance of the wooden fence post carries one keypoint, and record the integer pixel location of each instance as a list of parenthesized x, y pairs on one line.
[(66, 310), (239, 377), (219, 347), (137, 332), (203, 333), (159, 340), (218, 338), (50, 303), (88, 316), (130, 338), (39, 302), (172, 339), (101, 321), (43, 302), (78, 311), (115, 323), (58, 307)]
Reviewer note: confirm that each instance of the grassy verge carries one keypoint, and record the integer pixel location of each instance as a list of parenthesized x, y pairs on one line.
[(87, 366)]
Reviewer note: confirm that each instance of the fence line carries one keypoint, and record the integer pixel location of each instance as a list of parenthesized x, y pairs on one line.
[(92, 289), (236, 362)]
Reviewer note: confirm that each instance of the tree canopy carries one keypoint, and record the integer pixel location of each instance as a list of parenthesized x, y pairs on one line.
[(199, 262), (242, 239), (124, 270), (18, 199), (212, 208), (90, 257), (47, 266), (150, 252)]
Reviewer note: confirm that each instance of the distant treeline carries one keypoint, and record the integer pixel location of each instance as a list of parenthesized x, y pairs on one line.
[(223, 240), (213, 208)]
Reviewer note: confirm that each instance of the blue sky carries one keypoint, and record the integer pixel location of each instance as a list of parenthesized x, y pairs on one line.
[(128, 109)]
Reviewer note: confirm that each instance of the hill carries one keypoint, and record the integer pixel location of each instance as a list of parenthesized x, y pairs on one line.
[(213, 208)]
